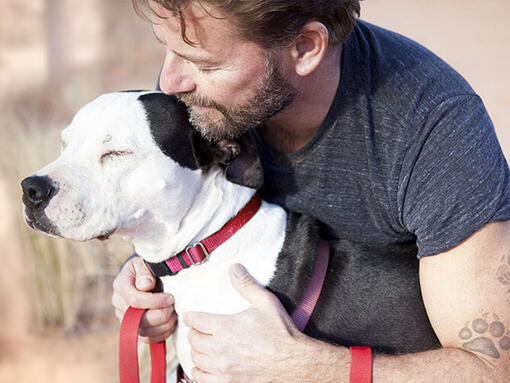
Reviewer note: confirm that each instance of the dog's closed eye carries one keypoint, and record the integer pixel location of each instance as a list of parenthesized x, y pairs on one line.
[(112, 154)]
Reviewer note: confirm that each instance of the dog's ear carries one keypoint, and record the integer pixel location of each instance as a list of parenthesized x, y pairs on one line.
[(246, 168), (240, 159), (208, 154)]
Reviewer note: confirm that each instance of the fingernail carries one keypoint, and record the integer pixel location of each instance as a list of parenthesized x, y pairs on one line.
[(238, 270), (170, 300), (144, 282)]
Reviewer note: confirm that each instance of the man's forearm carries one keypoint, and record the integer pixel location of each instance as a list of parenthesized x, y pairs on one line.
[(450, 365), (444, 365)]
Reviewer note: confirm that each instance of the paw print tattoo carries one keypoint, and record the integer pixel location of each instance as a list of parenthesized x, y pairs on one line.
[(503, 272), (482, 343)]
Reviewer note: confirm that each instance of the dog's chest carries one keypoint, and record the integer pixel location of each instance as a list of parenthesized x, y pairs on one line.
[(208, 288)]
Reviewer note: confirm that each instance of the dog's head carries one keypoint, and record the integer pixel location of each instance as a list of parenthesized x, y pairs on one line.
[(124, 156)]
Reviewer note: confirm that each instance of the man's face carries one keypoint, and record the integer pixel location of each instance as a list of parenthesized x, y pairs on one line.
[(229, 84)]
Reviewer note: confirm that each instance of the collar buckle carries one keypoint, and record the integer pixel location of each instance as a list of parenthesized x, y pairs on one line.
[(200, 252)]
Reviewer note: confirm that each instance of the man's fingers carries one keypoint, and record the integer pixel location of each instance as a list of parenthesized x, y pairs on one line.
[(200, 376), (119, 304), (119, 314), (245, 285), (205, 323), (139, 299), (156, 338), (156, 331), (202, 343), (158, 317), (145, 281), (203, 361), (160, 306)]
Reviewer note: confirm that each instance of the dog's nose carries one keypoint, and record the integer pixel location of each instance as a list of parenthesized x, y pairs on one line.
[(37, 190)]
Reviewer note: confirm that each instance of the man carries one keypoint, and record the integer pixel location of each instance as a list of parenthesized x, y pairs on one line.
[(376, 138)]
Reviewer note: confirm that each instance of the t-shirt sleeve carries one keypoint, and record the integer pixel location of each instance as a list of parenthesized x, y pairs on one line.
[(455, 178)]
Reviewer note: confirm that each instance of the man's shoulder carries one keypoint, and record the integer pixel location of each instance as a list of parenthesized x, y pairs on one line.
[(393, 65), (396, 80), (394, 51)]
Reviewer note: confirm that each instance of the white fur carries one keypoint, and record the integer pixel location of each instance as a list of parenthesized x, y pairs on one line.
[(158, 205)]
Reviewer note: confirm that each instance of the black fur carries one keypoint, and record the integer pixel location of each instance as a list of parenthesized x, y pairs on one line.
[(246, 169), (366, 300), (296, 260), (170, 127)]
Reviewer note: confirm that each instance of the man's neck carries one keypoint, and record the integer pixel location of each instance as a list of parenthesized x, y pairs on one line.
[(292, 128)]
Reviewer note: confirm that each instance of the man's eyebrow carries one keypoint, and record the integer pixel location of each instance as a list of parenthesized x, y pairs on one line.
[(194, 59)]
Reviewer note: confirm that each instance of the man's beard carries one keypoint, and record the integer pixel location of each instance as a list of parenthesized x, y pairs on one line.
[(272, 94)]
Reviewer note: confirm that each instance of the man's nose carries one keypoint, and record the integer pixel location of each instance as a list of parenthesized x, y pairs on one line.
[(174, 78), (37, 190)]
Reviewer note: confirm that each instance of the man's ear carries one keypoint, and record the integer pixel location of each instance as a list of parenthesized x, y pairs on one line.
[(240, 159), (309, 48)]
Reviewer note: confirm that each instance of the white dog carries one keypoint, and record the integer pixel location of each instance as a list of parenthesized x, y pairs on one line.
[(117, 175)]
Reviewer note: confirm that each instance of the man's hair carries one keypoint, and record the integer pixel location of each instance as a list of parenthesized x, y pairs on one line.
[(271, 23)]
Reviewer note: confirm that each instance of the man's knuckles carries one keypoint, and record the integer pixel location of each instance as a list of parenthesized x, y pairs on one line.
[(203, 361), (153, 318), (155, 331), (155, 339), (167, 315), (194, 339), (119, 283), (225, 365)]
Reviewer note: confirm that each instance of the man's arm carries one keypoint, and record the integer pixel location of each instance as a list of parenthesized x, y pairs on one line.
[(466, 294)]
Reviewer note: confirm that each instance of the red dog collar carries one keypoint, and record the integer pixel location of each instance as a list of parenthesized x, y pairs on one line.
[(199, 252)]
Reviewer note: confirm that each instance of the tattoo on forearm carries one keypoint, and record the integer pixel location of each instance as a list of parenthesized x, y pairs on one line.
[(488, 338), (503, 272)]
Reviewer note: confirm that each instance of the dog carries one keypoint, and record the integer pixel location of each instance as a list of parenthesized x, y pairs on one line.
[(132, 164)]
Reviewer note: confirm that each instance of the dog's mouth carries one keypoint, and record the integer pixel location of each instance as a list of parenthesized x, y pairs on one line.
[(105, 235), (38, 221)]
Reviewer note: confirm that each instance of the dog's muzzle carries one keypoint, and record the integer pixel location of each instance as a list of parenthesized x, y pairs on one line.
[(37, 193)]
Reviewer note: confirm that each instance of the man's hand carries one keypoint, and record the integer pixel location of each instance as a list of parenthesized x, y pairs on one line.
[(132, 287), (260, 344)]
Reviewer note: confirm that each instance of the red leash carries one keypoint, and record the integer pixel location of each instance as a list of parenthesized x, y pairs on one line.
[(361, 365), (128, 351), (304, 310)]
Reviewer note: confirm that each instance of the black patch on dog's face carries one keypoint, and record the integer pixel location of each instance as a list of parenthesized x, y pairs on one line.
[(176, 137), (170, 127)]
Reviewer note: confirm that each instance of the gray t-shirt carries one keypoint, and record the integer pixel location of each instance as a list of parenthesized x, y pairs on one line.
[(406, 160)]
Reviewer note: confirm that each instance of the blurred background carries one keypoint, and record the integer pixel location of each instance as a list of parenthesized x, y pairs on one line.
[(56, 321)]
